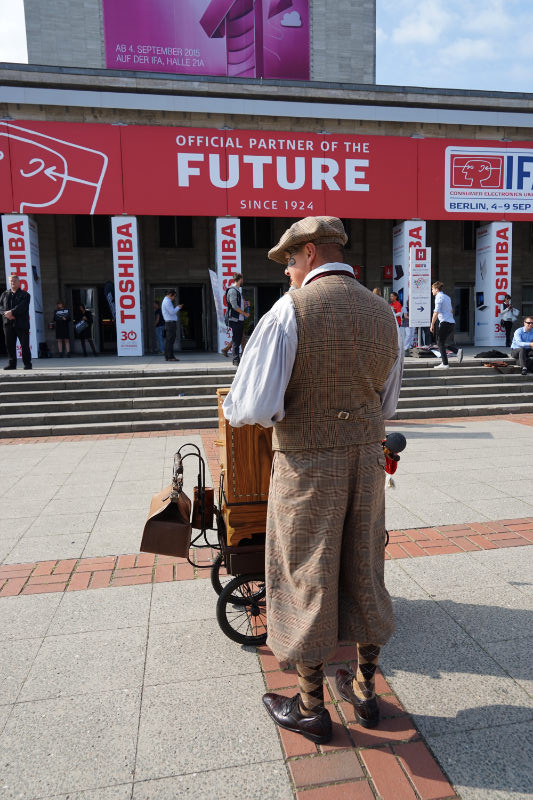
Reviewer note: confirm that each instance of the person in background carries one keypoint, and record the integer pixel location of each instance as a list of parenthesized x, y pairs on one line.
[(237, 315), (159, 327), (61, 324), (522, 345), (444, 315), (86, 333), (508, 317), (377, 291), (396, 307), (170, 315), (14, 308)]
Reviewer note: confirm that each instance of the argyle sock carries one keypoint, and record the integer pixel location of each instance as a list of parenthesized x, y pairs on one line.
[(311, 685), (367, 662)]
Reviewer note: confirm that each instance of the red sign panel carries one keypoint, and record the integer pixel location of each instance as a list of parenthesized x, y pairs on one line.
[(64, 168)]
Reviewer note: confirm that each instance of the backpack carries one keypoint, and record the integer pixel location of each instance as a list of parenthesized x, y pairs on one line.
[(228, 308)]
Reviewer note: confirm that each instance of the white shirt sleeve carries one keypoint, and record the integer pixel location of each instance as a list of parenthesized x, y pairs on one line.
[(258, 389), (393, 384)]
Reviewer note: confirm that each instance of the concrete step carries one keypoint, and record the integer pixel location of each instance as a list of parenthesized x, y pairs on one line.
[(109, 427), (41, 383), (458, 390), (499, 399), (165, 404), (26, 421), (463, 411), (162, 392)]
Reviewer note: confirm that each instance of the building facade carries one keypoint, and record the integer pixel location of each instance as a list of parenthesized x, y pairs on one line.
[(86, 143)]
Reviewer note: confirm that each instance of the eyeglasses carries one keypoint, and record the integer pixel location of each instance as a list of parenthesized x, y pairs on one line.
[(528, 322)]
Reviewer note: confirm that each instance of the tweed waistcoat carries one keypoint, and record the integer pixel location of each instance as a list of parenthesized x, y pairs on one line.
[(347, 345)]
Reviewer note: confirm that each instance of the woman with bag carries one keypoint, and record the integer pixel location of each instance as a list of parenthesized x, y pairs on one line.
[(61, 323), (83, 328), (508, 317)]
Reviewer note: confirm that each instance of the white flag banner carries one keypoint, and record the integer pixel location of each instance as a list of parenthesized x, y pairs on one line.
[(228, 261), (407, 234), (21, 256), (419, 287), (494, 247), (127, 286)]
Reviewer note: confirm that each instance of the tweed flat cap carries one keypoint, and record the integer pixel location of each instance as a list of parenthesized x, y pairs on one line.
[(319, 230)]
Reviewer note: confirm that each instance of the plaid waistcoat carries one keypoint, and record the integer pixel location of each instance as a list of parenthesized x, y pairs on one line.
[(347, 345)]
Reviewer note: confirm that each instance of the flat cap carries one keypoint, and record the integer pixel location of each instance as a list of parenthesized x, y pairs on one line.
[(319, 230)]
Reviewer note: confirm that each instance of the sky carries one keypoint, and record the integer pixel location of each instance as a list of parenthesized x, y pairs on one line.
[(456, 44)]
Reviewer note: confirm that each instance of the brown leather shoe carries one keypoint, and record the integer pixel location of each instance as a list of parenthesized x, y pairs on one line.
[(285, 711), (366, 711)]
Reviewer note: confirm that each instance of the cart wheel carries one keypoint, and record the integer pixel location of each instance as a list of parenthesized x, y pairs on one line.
[(218, 582), (243, 621)]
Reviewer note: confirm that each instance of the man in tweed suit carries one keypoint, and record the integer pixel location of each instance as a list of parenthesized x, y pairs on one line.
[(324, 368)]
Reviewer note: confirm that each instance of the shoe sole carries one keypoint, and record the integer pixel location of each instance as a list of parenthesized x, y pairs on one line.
[(311, 736)]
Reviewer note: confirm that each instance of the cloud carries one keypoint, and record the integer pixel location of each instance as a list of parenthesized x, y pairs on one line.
[(467, 49), (292, 20), (12, 32), (425, 24)]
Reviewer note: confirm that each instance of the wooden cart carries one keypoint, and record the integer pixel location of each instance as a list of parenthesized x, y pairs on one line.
[(245, 466)]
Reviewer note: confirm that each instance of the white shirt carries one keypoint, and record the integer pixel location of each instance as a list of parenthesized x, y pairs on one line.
[(169, 311), (443, 307), (258, 389)]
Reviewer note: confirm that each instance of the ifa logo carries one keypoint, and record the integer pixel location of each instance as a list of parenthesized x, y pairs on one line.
[(476, 171)]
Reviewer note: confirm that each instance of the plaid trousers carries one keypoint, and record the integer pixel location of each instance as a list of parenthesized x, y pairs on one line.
[(325, 549)]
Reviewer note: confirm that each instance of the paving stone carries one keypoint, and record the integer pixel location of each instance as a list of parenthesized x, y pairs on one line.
[(452, 689), (16, 658), (89, 662), (490, 616), (102, 609), (44, 548), (63, 523), (27, 617), (491, 763), (182, 601), (62, 745), (122, 792), (514, 657), (208, 723), (177, 652), (114, 541), (258, 781), (434, 574)]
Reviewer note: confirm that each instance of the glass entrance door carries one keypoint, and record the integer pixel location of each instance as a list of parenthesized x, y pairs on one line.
[(463, 311)]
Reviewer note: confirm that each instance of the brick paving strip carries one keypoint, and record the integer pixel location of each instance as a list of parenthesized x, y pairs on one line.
[(71, 574)]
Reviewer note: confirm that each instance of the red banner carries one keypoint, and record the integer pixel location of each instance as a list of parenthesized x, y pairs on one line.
[(63, 168)]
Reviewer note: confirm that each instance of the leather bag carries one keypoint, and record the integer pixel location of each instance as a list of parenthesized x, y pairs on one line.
[(167, 530)]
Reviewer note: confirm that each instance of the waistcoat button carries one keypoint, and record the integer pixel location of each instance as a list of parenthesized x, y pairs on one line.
[(343, 415)]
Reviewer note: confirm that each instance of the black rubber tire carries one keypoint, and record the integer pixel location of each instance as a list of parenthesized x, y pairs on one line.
[(216, 583), (241, 621)]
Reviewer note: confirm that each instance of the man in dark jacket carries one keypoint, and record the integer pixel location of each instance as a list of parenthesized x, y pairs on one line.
[(14, 308)]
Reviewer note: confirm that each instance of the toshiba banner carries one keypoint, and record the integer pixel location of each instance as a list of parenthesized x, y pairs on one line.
[(228, 261), (411, 233), (21, 254), (127, 286), (493, 280)]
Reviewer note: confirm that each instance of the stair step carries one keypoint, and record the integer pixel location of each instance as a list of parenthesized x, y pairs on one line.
[(109, 427)]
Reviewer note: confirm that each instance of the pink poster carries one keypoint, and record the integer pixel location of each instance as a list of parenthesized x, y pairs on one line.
[(234, 38)]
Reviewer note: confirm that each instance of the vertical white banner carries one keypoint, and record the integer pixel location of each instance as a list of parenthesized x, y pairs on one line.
[(407, 234), (21, 255), (420, 287), (494, 247), (127, 286), (228, 261)]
